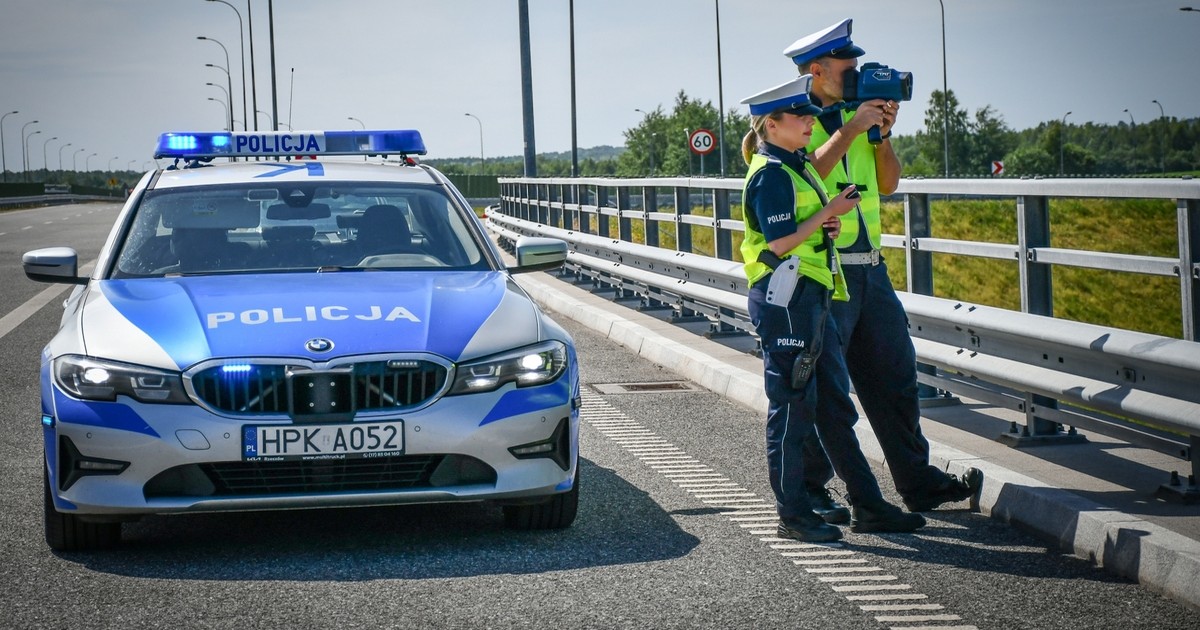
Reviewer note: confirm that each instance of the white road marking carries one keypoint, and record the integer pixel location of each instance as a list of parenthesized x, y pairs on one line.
[(830, 563)]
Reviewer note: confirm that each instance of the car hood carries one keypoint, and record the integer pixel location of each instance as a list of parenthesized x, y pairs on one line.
[(174, 323)]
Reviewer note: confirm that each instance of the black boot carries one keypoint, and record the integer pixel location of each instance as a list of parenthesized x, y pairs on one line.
[(823, 504), (881, 516), (952, 490), (810, 528)]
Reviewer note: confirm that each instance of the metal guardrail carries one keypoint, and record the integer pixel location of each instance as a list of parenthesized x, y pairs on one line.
[(1059, 373)]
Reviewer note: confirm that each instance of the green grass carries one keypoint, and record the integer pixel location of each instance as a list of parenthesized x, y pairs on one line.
[(1122, 300), (1128, 301)]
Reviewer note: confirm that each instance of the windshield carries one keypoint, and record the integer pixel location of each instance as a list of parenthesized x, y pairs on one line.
[(254, 228)]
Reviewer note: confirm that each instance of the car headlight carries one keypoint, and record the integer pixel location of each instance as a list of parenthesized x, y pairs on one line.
[(96, 379), (533, 365)]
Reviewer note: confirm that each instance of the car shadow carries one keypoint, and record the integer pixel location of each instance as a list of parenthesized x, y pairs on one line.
[(617, 524)]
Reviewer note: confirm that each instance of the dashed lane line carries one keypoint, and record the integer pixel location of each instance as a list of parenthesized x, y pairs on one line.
[(874, 591)]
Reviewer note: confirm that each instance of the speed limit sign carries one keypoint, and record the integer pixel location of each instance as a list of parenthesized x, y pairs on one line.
[(702, 142)]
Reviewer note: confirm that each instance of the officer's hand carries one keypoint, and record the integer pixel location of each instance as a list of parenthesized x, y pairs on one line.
[(869, 114), (832, 226), (844, 202), (890, 110)]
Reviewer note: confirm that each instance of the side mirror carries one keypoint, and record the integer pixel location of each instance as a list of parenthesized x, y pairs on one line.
[(53, 264), (536, 253)]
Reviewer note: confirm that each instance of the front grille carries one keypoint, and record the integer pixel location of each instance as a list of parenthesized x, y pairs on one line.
[(267, 388), (231, 479)]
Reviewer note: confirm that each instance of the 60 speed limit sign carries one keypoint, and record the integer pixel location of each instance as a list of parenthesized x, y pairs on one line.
[(702, 142)]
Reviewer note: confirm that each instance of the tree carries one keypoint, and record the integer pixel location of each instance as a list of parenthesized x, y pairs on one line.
[(990, 139), (662, 137), (932, 141)]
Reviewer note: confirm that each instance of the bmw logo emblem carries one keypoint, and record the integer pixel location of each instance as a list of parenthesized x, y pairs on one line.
[(318, 345)]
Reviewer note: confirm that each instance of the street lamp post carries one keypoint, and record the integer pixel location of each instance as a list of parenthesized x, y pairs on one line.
[(74, 160), (25, 146), (1062, 132), (1163, 151), (3, 162), (129, 165), (945, 96), (361, 124), (242, 42), (223, 104), (269, 119), (229, 109), (720, 92), (110, 161), (87, 162), (45, 164), (653, 137), (228, 90), (480, 123), (24, 152), (1131, 123), (60, 150)]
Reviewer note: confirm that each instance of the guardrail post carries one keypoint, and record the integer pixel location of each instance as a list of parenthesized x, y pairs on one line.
[(584, 219), (1189, 265), (543, 211), (722, 238), (624, 224), (723, 244), (1037, 298), (554, 211), (683, 231), (601, 204), (919, 276), (650, 205)]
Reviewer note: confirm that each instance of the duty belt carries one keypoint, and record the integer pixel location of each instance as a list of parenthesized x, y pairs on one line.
[(860, 258)]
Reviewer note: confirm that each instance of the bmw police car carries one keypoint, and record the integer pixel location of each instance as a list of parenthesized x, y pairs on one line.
[(272, 334)]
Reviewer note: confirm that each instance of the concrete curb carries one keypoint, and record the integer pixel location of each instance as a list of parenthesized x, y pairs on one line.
[(1122, 544)]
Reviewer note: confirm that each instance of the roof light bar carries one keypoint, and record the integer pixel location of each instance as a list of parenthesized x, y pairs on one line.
[(212, 144)]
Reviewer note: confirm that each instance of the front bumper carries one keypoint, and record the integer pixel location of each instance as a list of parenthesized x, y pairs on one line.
[(181, 458)]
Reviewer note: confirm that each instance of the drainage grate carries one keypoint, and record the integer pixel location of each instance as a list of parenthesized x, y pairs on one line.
[(649, 387)]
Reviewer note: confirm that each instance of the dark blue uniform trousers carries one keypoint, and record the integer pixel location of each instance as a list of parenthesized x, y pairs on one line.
[(792, 413), (883, 367)]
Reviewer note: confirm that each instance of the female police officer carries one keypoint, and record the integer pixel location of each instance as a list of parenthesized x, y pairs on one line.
[(792, 272)]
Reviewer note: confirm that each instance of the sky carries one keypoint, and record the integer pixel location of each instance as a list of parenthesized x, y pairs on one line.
[(106, 77)]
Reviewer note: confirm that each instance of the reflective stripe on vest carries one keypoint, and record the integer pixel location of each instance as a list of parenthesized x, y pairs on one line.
[(861, 159), (812, 262)]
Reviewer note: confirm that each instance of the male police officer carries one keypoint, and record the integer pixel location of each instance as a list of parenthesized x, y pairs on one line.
[(872, 324)]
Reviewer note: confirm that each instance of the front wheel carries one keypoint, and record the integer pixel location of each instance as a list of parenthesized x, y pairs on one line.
[(67, 532), (557, 513)]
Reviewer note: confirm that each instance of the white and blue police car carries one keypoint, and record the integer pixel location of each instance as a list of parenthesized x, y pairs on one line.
[(272, 333)]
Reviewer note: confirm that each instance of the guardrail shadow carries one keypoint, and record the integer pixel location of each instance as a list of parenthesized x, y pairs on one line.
[(401, 542)]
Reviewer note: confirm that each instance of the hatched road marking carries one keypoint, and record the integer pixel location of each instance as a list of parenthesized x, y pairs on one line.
[(831, 563)]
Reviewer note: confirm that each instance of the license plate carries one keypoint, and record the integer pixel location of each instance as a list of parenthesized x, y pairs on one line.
[(322, 441)]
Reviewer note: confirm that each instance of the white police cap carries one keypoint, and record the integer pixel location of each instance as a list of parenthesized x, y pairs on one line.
[(830, 42), (791, 97)]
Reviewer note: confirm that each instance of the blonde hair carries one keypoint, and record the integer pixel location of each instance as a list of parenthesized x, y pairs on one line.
[(757, 135)]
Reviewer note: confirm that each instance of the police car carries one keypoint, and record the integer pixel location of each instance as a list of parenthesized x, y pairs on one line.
[(265, 333)]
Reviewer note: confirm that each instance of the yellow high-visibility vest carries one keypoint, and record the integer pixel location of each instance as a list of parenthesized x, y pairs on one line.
[(808, 202), (861, 160)]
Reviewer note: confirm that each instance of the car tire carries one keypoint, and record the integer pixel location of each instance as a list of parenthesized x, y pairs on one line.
[(67, 532), (557, 513)]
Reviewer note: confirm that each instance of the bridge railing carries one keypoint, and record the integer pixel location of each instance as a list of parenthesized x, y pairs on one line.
[(1062, 374)]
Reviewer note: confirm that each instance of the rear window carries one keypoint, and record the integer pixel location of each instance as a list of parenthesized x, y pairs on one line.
[(256, 228)]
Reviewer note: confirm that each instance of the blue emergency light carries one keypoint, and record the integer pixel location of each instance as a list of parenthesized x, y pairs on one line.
[(213, 144)]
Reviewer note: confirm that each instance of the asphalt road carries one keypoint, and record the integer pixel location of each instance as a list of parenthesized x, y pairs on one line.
[(674, 531)]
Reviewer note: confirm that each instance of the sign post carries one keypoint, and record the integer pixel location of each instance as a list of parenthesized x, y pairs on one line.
[(702, 142)]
